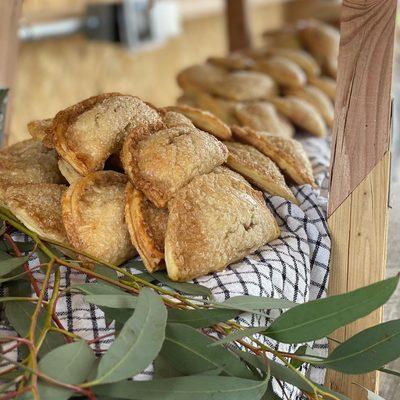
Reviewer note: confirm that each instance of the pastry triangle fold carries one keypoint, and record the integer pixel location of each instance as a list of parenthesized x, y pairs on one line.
[(42, 130)]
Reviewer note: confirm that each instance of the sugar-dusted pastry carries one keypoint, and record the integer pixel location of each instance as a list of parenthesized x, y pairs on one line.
[(214, 221), (87, 133), (38, 207), (147, 225), (301, 113), (28, 162), (287, 154), (326, 84), (162, 163), (301, 58), (205, 121), (200, 77), (282, 38), (245, 85), (258, 169), (187, 100), (318, 99), (263, 116), (232, 62), (283, 70), (172, 119), (68, 172), (93, 211), (42, 130)]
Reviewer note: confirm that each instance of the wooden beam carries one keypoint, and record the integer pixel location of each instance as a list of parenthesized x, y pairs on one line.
[(237, 24), (10, 11)]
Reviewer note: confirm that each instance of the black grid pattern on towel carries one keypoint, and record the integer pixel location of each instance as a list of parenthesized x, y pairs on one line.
[(293, 267)]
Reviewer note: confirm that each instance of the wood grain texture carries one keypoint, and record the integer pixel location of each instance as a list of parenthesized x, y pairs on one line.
[(359, 236), (237, 24), (361, 132), (9, 17)]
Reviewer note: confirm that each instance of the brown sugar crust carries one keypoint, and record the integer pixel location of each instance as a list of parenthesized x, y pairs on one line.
[(87, 133), (42, 130), (147, 225), (94, 218), (38, 207), (258, 169), (173, 119), (165, 161), (214, 221), (288, 154)]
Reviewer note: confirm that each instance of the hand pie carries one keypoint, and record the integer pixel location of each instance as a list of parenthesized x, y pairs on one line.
[(205, 121), (326, 84), (282, 38), (28, 162), (162, 163), (258, 169), (173, 119), (318, 99), (302, 114), (262, 116), (38, 207), (42, 130), (288, 154), (68, 172), (87, 133), (94, 217), (232, 62), (147, 225), (214, 221), (244, 86)]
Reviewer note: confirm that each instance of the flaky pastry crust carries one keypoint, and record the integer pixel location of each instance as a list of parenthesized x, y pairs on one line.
[(42, 130)]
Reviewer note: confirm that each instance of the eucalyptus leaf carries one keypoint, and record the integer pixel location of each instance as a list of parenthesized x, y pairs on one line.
[(19, 276), (184, 388), (98, 288), (367, 351), (108, 272), (301, 351), (317, 319), (248, 332), (163, 369), (389, 371), (340, 396), (200, 318), (70, 363), (10, 264), (139, 341), (188, 351), (112, 300)]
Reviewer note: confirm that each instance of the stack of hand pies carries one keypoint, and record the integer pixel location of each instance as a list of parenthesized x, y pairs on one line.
[(288, 83)]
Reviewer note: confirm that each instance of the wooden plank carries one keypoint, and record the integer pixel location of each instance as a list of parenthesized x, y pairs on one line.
[(237, 24), (9, 17), (361, 220), (361, 131)]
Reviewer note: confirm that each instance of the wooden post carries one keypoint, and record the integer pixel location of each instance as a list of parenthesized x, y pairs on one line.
[(9, 17), (237, 24), (360, 163)]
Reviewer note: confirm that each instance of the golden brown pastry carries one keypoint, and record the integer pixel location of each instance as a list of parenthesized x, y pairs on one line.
[(87, 133), (93, 212), (260, 170), (68, 172), (147, 225), (162, 163), (326, 84), (263, 116), (186, 100), (38, 207), (288, 154), (245, 85), (214, 221), (200, 77), (232, 62), (302, 114), (205, 121), (28, 162), (283, 70), (173, 119), (282, 38), (42, 130), (318, 99)]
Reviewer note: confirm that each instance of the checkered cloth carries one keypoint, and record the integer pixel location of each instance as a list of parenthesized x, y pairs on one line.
[(293, 267)]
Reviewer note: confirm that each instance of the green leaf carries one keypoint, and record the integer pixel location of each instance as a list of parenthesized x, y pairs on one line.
[(112, 300), (138, 343), (367, 351), (108, 272), (185, 388), (14, 277), (10, 264), (200, 318), (317, 319), (188, 351), (330, 391), (389, 371), (163, 369), (248, 332), (98, 288), (301, 351), (70, 363)]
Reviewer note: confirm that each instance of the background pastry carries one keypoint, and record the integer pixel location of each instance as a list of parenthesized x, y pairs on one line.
[(258, 169), (68, 172), (173, 119), (87, 133), (214, 221), (147, 225), (164, 162), (42, 130), (94, 218)]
